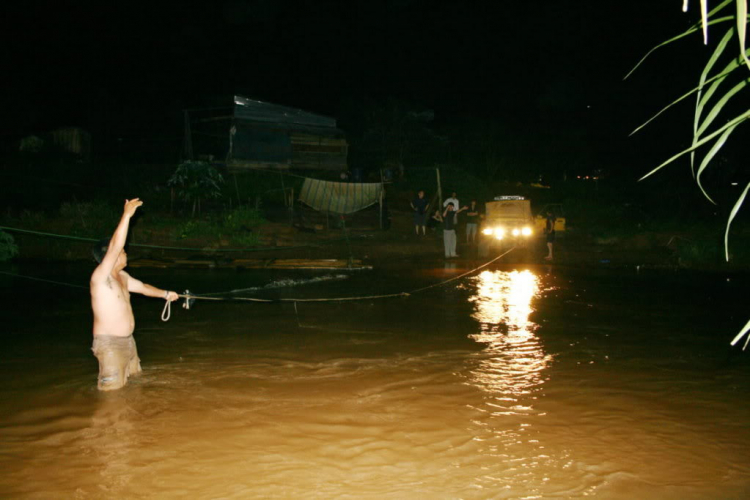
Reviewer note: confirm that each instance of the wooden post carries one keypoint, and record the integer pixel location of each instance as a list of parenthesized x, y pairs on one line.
[(439, 189), (237, 190), (291, 207), (380, 200), (283, 187)]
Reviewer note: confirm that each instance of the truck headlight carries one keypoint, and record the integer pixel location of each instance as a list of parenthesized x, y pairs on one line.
[(526, 231), (499, 233), (516, 231), (487, 231)]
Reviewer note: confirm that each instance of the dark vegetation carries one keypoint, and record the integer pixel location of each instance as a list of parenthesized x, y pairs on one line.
[(606, 208)]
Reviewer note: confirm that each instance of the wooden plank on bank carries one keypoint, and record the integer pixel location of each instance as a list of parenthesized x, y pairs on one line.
[(253, 264)]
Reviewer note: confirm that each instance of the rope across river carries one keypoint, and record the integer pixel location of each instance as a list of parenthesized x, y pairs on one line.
[(190, 297)]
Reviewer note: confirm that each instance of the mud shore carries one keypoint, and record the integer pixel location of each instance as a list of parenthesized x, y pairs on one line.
[(367, 245)]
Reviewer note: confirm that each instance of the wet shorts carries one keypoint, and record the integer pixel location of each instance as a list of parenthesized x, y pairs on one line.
[(118, 359)]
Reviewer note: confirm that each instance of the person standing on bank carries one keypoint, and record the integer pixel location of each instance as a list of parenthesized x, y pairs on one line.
[(549, 230), (419, 205), (114, 322), (453, 200), (449, 218), (472, 222)]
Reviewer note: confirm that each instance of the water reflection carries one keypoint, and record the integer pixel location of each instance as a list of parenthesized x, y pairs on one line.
[(512, 365)]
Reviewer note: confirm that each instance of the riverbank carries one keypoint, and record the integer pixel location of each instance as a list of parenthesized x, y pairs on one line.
[(357, 241)]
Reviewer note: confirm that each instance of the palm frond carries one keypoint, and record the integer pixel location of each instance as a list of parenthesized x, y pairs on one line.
[(742, 28), (686, 33), (732, 123), (742, 334), (704, 76), (710, 156), (704, 19), (733, 213), (681, 98), (716, 109), (741, 17)]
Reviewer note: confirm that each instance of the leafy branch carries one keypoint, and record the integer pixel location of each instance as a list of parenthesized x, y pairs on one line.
[(196, 181), (712, 98)]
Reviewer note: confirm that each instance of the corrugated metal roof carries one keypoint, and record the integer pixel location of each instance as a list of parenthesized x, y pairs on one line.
[(259, 111)]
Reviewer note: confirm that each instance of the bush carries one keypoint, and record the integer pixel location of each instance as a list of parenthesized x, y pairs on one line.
[(196, 228), (243, 219), (238, 227), (93, 219), (241, 224), (8, 247), (701, 252), (31, 218), (196, 181)]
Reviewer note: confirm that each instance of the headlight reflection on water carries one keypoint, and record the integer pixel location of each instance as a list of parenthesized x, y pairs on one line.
[(510, 372), (512, 365)]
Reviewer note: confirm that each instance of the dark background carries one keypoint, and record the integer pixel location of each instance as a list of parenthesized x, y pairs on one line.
[(541, 81)]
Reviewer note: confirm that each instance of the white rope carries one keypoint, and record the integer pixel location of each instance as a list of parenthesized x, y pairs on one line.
[(188, 296), (167, 312)]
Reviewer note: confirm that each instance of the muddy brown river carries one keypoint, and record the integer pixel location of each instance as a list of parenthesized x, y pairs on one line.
[(516, 382)]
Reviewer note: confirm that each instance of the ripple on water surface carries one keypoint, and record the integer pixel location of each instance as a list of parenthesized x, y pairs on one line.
[(512, 384)]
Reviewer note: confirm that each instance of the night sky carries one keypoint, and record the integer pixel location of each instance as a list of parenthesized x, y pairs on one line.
[(129, 68)]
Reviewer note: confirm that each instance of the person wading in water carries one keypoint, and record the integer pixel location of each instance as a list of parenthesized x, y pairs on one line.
[(549, 230), (114, 323)]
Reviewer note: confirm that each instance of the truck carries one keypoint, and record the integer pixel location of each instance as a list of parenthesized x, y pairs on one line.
[(507, 222)]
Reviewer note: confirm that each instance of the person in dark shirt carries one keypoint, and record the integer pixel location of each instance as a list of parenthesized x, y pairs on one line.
[(549, 230), (449, 229), (472, 222), (435, 220), (419, 205)]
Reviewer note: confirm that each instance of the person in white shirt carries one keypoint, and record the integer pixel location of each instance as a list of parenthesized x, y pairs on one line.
[(453, 200)]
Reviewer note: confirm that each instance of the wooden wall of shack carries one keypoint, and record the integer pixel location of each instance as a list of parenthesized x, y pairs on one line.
[(319, 152), (255, 134)]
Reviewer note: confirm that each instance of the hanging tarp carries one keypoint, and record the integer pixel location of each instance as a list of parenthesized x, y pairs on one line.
[(339, 197)]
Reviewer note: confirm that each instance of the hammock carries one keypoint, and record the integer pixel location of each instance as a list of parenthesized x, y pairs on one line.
[(339, 197)]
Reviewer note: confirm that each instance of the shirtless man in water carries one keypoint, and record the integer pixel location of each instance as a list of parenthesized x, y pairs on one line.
[(114, 323)]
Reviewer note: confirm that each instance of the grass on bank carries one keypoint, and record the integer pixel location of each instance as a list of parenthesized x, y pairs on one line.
[(233, 228)]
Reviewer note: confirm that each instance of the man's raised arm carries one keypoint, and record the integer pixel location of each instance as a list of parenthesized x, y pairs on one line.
[(117, 242)]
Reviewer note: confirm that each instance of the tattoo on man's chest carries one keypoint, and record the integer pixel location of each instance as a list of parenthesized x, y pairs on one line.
[(118, 287)]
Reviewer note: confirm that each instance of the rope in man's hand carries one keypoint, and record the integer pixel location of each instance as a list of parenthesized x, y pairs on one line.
[(167, 312), (189, 298)]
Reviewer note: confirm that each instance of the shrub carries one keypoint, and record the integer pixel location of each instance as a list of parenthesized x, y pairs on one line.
[(196, 228), (196, 181), (8, 247), (95, 219), (241, 224), (243, 219)]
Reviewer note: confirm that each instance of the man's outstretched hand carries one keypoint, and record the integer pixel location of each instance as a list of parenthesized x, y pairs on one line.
[(131, 206)]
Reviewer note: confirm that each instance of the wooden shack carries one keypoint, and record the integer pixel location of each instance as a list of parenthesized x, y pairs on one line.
[(256, 134)]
